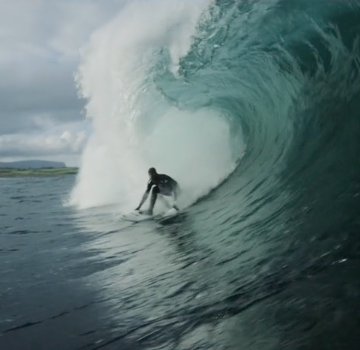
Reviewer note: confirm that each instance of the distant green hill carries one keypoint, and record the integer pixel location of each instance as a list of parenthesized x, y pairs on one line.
[(32, 164), (37, 172)]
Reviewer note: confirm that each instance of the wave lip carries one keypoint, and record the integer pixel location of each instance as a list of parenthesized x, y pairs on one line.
[(134, 126), (201, 91)]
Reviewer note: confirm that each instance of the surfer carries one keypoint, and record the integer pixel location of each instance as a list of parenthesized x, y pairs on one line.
[(160, 184)]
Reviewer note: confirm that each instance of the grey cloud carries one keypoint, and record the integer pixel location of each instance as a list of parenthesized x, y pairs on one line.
[(39, 55), (67, 142), (40, 90), (20, 122)]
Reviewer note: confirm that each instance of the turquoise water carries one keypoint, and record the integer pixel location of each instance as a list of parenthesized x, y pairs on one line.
[(254, 108)]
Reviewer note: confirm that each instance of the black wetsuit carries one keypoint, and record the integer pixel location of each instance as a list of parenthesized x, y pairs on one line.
[(160, 184), (164, 185)]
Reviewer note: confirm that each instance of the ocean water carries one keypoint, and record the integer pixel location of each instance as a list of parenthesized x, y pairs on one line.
[(253, 106)]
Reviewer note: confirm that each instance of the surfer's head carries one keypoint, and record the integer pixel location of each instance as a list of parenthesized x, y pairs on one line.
[(152, 172)]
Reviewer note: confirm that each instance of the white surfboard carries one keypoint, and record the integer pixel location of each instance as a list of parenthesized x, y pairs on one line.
[(169, 213), (136, 216)]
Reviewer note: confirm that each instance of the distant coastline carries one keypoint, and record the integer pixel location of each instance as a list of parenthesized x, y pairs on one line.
[(32, 164), (10, 172), (35, 167)]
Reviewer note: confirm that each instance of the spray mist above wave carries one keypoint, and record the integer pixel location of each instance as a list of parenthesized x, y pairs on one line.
[(134, 126)]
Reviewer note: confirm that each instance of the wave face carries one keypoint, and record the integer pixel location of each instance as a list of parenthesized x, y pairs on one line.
[(198, 90), (254, 107), (136, 125), (262, 94)]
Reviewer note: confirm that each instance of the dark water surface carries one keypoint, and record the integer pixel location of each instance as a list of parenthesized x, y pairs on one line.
[(85, 280)]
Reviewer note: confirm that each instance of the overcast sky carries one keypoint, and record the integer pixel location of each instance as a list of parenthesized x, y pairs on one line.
[(40, 113)]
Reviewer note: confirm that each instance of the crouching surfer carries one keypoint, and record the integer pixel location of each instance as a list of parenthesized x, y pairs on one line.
[(160, 184)]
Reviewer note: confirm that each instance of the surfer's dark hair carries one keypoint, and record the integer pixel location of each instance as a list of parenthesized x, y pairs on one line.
[(152, 171)]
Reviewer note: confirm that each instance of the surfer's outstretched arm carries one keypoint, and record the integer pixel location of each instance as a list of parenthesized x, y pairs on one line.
[(145, 196), (143, 199)]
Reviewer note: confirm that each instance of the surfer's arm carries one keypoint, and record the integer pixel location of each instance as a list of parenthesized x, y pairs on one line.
[(145, 196)]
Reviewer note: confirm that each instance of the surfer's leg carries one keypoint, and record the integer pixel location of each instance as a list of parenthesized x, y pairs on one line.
[(175, 195), (164, 201), (153, 198), (169, 192), (174, 204)]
